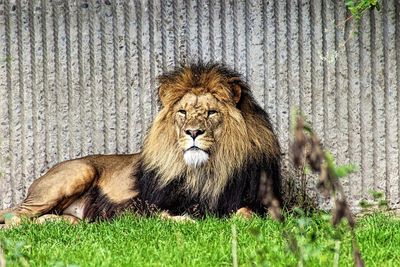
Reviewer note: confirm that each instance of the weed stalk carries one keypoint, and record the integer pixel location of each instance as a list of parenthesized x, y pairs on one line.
[(307, 150)]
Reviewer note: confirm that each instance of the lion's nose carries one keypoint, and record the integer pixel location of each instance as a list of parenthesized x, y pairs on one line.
[(194, 133)]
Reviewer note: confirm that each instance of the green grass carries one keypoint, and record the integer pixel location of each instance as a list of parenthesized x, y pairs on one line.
[(132, 241)]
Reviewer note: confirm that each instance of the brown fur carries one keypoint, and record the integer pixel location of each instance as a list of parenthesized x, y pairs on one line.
[(236, 137)]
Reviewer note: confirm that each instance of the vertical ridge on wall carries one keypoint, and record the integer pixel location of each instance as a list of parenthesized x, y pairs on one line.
[(293, 50), (329, 75), (157, 57), (43, 66), (147, 46), (175, 31), (14, 101), (60, 107), (223, 30), (79, 77), (33, 170), (128, 76), (218, 33), (305, 58), (25, 93), (192, 33), (379, 104), (20, 103), (390, 100), (255, 59), (203, 30), (198, 27), (41, 85), (365, 105), (248, 34), (108, 79), (317, 67), (341, 89), (74, 83), (135, 108), (96, 77), (236, 15), (84, 70), (205, 24), (240, 61), (270, 68), (227, 32), (5, 150), (162, 19), (140, 60), (282, 116), (397, 48), (353, 105), (120, 83)]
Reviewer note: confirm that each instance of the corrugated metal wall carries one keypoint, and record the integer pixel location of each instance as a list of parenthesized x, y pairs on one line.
[(78, 77)]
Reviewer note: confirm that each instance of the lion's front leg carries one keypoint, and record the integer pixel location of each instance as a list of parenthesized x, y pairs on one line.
[(57, 188)]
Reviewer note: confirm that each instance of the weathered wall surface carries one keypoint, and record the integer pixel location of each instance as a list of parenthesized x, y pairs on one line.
[(78, 77)]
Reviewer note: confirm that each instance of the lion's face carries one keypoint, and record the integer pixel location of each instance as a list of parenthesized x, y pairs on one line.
[(198, 120)]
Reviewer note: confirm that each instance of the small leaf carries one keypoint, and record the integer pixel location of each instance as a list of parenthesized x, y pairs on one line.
[(376, 194), (344, 170), (364, 204), (349, 3), (382, 203)]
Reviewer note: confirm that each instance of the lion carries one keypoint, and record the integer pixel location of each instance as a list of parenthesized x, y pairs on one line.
[(210, 150)]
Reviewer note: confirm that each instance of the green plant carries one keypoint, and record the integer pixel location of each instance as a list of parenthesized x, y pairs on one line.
[(358, 7)]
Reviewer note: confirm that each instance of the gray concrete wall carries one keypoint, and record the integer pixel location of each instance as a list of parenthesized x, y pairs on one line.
[(78, 77)]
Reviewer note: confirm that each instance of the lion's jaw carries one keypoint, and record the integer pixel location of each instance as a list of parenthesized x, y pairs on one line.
[(195, 157)]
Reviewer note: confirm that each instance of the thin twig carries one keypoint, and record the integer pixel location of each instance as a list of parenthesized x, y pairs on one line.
[(337, 254), (234, 247), (344, 22), (2, 258)]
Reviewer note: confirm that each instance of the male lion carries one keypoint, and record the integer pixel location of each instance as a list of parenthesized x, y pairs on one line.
[(210, 150)]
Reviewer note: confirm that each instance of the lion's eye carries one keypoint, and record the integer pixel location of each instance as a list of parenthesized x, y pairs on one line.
[(182, 112), (212, 112)]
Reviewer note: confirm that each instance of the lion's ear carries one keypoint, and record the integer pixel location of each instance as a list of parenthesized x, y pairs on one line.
[(236, 85), (162, 94)]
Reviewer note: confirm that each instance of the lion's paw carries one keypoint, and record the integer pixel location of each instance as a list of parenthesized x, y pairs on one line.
[(178, 218), (55, 218), (12, 219), (245, 213)]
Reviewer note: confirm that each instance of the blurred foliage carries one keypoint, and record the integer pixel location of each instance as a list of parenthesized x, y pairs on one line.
[(358, 7)]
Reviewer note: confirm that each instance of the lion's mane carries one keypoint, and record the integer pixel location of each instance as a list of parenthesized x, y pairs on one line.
[(231, 178)]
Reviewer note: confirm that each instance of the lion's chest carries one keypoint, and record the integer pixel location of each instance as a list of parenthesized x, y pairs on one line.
[(193, 196)]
